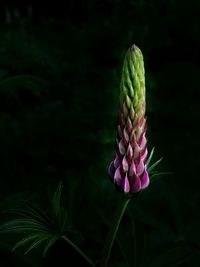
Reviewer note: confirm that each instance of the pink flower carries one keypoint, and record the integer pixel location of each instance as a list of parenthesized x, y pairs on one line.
[(128, 169)]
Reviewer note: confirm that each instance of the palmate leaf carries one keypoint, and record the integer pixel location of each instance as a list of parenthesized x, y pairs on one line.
[(37, 226)]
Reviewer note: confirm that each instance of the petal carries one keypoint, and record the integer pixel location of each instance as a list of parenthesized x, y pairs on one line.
[(125, 134), (121, 147), (132, 113), (133, 139), (129, 126), (126, 185), (125, 164), (132, 170), (118, 176), (136, 184), (129, 154), (140, 167), (143, 154), (111, 169), (138, 133), (144, 179), (116, 162), (136, 151), (121, 120), (142, 141), (119, 131), (124, 109)]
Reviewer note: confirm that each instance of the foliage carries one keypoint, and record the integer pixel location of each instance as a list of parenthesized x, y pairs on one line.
[(37, 226)]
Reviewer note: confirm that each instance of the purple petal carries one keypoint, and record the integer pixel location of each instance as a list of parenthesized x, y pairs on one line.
[(118, 176), (136, 184), (126, 185), (144, 180), (116, 162), (111, 169)]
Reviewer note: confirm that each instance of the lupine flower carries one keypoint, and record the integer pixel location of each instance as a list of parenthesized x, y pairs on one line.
[(128, 169)]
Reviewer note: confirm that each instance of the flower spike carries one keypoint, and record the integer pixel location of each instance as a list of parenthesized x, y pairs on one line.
[(128, 169)]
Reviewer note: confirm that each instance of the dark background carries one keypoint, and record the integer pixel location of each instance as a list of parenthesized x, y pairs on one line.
[(62, 126)]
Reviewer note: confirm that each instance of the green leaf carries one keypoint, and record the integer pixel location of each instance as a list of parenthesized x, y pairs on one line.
[(36, 243), (25, 240), (150, 156), (56, 199), (37, 226), (154, 165), (49, 244)]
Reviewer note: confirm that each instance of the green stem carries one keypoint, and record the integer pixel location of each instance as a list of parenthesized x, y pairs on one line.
[(134, 240), (113, 231), (90, 262)]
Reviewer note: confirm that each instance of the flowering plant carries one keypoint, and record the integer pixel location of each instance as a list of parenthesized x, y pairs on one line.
[(129, 171)]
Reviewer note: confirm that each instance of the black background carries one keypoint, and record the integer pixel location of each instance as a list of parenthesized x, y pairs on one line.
[(64, 129)]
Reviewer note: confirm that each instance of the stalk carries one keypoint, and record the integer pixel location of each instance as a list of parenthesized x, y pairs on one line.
[(123, 203), (90, 262)]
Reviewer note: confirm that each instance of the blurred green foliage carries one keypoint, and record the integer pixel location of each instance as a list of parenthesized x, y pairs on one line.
[(57, 122)]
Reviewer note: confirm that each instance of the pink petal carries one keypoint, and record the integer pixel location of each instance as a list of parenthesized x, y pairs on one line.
[(144, 179), (126, 135), (142, 141), (136, 184), (143, 154), (118, 176), (119, 131), (125, 164), (138, 133), (136, 151), (132, 170), (129, 126), (140, 167), (111, 169), (121, 120), (126, 184), (143, 124), (121, 147), (129, 154), (133, 139), (124, 109)]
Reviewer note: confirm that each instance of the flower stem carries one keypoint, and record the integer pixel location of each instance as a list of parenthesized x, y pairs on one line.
[(123, 203), (90, 262)]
